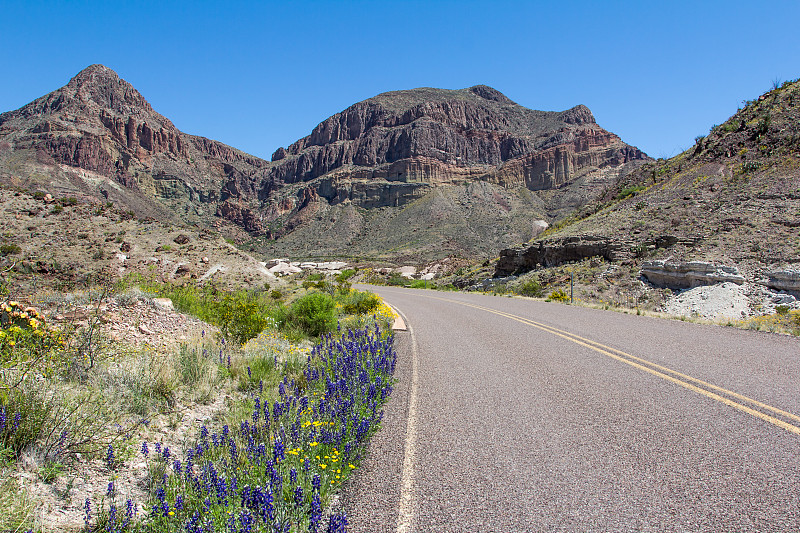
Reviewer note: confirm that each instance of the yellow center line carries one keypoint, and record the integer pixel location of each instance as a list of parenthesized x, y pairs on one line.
[(662, 372)]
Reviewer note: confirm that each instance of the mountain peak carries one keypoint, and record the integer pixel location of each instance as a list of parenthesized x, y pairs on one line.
[(490, 93), (102, 86)]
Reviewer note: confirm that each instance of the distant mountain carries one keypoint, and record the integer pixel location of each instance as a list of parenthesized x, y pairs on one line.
[(98, 137), (415, 174), (734, 197)]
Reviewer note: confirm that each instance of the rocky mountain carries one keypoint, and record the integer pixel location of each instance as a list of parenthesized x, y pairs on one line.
[(97, 137), (416, 174), (732, 199)]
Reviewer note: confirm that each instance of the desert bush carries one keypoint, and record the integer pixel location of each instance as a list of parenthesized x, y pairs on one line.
[(314, 314), (345, 275), (532, 288), (396, 280), (49, 419), (629, 191), (359, 302), (16, 506), (239, 315), (70, 201), (558, 295)]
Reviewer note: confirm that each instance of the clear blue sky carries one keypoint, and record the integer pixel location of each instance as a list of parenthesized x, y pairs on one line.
[(259, 75)]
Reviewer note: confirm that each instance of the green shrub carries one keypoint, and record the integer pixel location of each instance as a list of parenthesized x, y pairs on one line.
[(629, 191), (275, 294), (257, 370), (16, 506), (314, 314), (240, 315), (345, 274), (782, 310), (397, 280), (359, 303), (64, 202), (531, 288)]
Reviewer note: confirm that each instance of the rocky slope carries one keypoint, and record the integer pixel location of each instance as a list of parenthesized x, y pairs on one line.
[(733, 198), (406, 173), (97, 137), (453, 172)]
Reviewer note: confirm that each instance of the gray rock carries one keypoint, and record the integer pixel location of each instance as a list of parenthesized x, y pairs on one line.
[(783, 299), (680, 275), (784, 280)]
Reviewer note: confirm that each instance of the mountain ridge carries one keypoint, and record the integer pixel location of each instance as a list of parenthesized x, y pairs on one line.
[(734, 198), (99, 137)]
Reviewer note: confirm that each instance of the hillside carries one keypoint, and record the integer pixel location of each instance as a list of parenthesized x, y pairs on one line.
[(721, 219), (417, 174), (734, 197)]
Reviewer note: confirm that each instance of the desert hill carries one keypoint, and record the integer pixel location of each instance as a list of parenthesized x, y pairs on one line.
[(733, 198), (415, 174)]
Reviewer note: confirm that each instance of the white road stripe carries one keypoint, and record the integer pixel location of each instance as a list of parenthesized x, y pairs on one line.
[(405, 511)]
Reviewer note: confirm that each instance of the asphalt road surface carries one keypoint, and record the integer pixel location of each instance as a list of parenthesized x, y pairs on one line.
[(517, 415)]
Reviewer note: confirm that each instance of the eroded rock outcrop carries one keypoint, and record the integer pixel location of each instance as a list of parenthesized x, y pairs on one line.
[(555, 252), (784, 280), (679, 275)]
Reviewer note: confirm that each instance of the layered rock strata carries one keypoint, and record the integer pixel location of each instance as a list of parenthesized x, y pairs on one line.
[(681, 275), (784, 280), (555, 252)]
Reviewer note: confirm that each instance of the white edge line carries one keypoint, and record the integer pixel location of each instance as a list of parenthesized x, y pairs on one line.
[(405, 510)]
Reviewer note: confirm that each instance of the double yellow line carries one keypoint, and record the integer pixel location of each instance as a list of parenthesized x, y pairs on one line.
[(738, 401)]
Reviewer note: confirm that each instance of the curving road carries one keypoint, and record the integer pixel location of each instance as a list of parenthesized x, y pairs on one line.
[(517, 415)]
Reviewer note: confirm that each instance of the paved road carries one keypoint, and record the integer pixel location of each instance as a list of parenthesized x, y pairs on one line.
[(515, 415)]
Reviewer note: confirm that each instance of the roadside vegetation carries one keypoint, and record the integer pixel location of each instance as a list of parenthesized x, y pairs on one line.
[(293, 384)]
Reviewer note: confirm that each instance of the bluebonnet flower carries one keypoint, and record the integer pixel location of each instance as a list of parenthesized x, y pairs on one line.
[(316, 513), (338, 523), (110, 456), (87, 512)]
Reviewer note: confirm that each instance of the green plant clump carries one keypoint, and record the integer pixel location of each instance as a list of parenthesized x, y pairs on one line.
[(532, 288), (314, 314), (627, 192)]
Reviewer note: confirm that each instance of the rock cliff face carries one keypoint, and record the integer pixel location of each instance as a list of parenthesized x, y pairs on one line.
[(100, 124), (427, 148), (435, 136)]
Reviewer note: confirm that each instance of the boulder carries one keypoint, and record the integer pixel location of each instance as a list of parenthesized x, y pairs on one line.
[(285, 269), (681, 275), (784, 280), (406, 271), (274, 262), (539, 226), (163, 303)]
